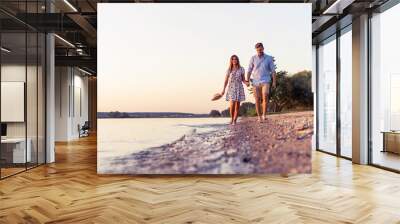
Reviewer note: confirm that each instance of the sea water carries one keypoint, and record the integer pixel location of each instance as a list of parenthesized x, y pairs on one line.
[(123, 136)]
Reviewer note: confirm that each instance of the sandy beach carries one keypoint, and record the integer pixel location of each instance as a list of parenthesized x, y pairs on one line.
[(281, 144)]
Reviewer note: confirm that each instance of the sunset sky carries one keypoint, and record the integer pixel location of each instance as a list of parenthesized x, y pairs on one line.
[(173, 57)]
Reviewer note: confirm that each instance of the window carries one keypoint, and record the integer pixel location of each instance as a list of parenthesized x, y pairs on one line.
[(22, 88), (385, 89), (346, 93), (327, 96)]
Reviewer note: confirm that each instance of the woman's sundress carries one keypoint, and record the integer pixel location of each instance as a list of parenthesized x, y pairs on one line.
[(235, 87)]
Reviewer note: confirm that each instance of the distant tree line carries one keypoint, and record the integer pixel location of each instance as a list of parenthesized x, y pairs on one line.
[(292, 92), (117, 114)]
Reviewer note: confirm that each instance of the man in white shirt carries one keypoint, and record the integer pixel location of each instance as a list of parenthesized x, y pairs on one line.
[(262, 70)]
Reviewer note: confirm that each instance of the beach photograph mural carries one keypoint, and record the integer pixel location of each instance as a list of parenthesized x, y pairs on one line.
[(204, 88)]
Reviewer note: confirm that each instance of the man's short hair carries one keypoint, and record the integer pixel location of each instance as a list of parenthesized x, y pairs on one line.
[(259, 45)]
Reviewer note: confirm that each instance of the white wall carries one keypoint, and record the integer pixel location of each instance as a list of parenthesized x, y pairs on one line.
[(71, 102), (81, 103), (12, 73), (62, 81), (33, 127)]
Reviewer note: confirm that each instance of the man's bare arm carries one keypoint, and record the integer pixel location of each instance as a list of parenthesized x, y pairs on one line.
[(250, 70), (274, 79), (248, 76)]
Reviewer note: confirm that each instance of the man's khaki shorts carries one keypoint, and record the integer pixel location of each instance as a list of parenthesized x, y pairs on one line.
[(261, 90)]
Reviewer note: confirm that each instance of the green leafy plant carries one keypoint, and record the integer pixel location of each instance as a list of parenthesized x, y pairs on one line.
[(292, 92)]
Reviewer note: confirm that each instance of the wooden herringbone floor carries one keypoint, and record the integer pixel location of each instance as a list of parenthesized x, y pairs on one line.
[(70, 191)]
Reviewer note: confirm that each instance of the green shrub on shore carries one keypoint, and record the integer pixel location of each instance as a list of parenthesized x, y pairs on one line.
[(292, 93)]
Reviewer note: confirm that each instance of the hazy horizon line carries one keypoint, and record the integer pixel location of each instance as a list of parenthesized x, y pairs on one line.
[(149, 112)]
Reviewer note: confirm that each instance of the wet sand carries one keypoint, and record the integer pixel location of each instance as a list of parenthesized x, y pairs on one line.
[(281, 144)]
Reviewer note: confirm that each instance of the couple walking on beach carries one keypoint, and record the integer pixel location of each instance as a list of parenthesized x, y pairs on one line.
[(262, 70)]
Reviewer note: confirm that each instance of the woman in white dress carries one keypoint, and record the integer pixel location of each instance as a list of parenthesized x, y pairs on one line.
[(235, 94)]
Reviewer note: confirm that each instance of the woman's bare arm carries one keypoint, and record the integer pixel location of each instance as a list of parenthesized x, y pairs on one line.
[(244, 79)]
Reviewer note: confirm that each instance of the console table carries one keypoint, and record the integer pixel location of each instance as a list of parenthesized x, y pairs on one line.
[(13, 150), (391, 141)]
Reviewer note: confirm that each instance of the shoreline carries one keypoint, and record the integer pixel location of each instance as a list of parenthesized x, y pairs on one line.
[(199, 115), (281, 144)]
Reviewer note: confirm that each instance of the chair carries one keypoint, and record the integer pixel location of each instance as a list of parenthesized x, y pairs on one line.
[(84, 130)]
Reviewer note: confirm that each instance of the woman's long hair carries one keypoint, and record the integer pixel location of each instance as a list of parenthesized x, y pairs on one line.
[(231, 64)]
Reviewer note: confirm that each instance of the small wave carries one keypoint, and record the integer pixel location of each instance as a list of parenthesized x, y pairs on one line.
[(189, 133), (193, 133), (203, 125)]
